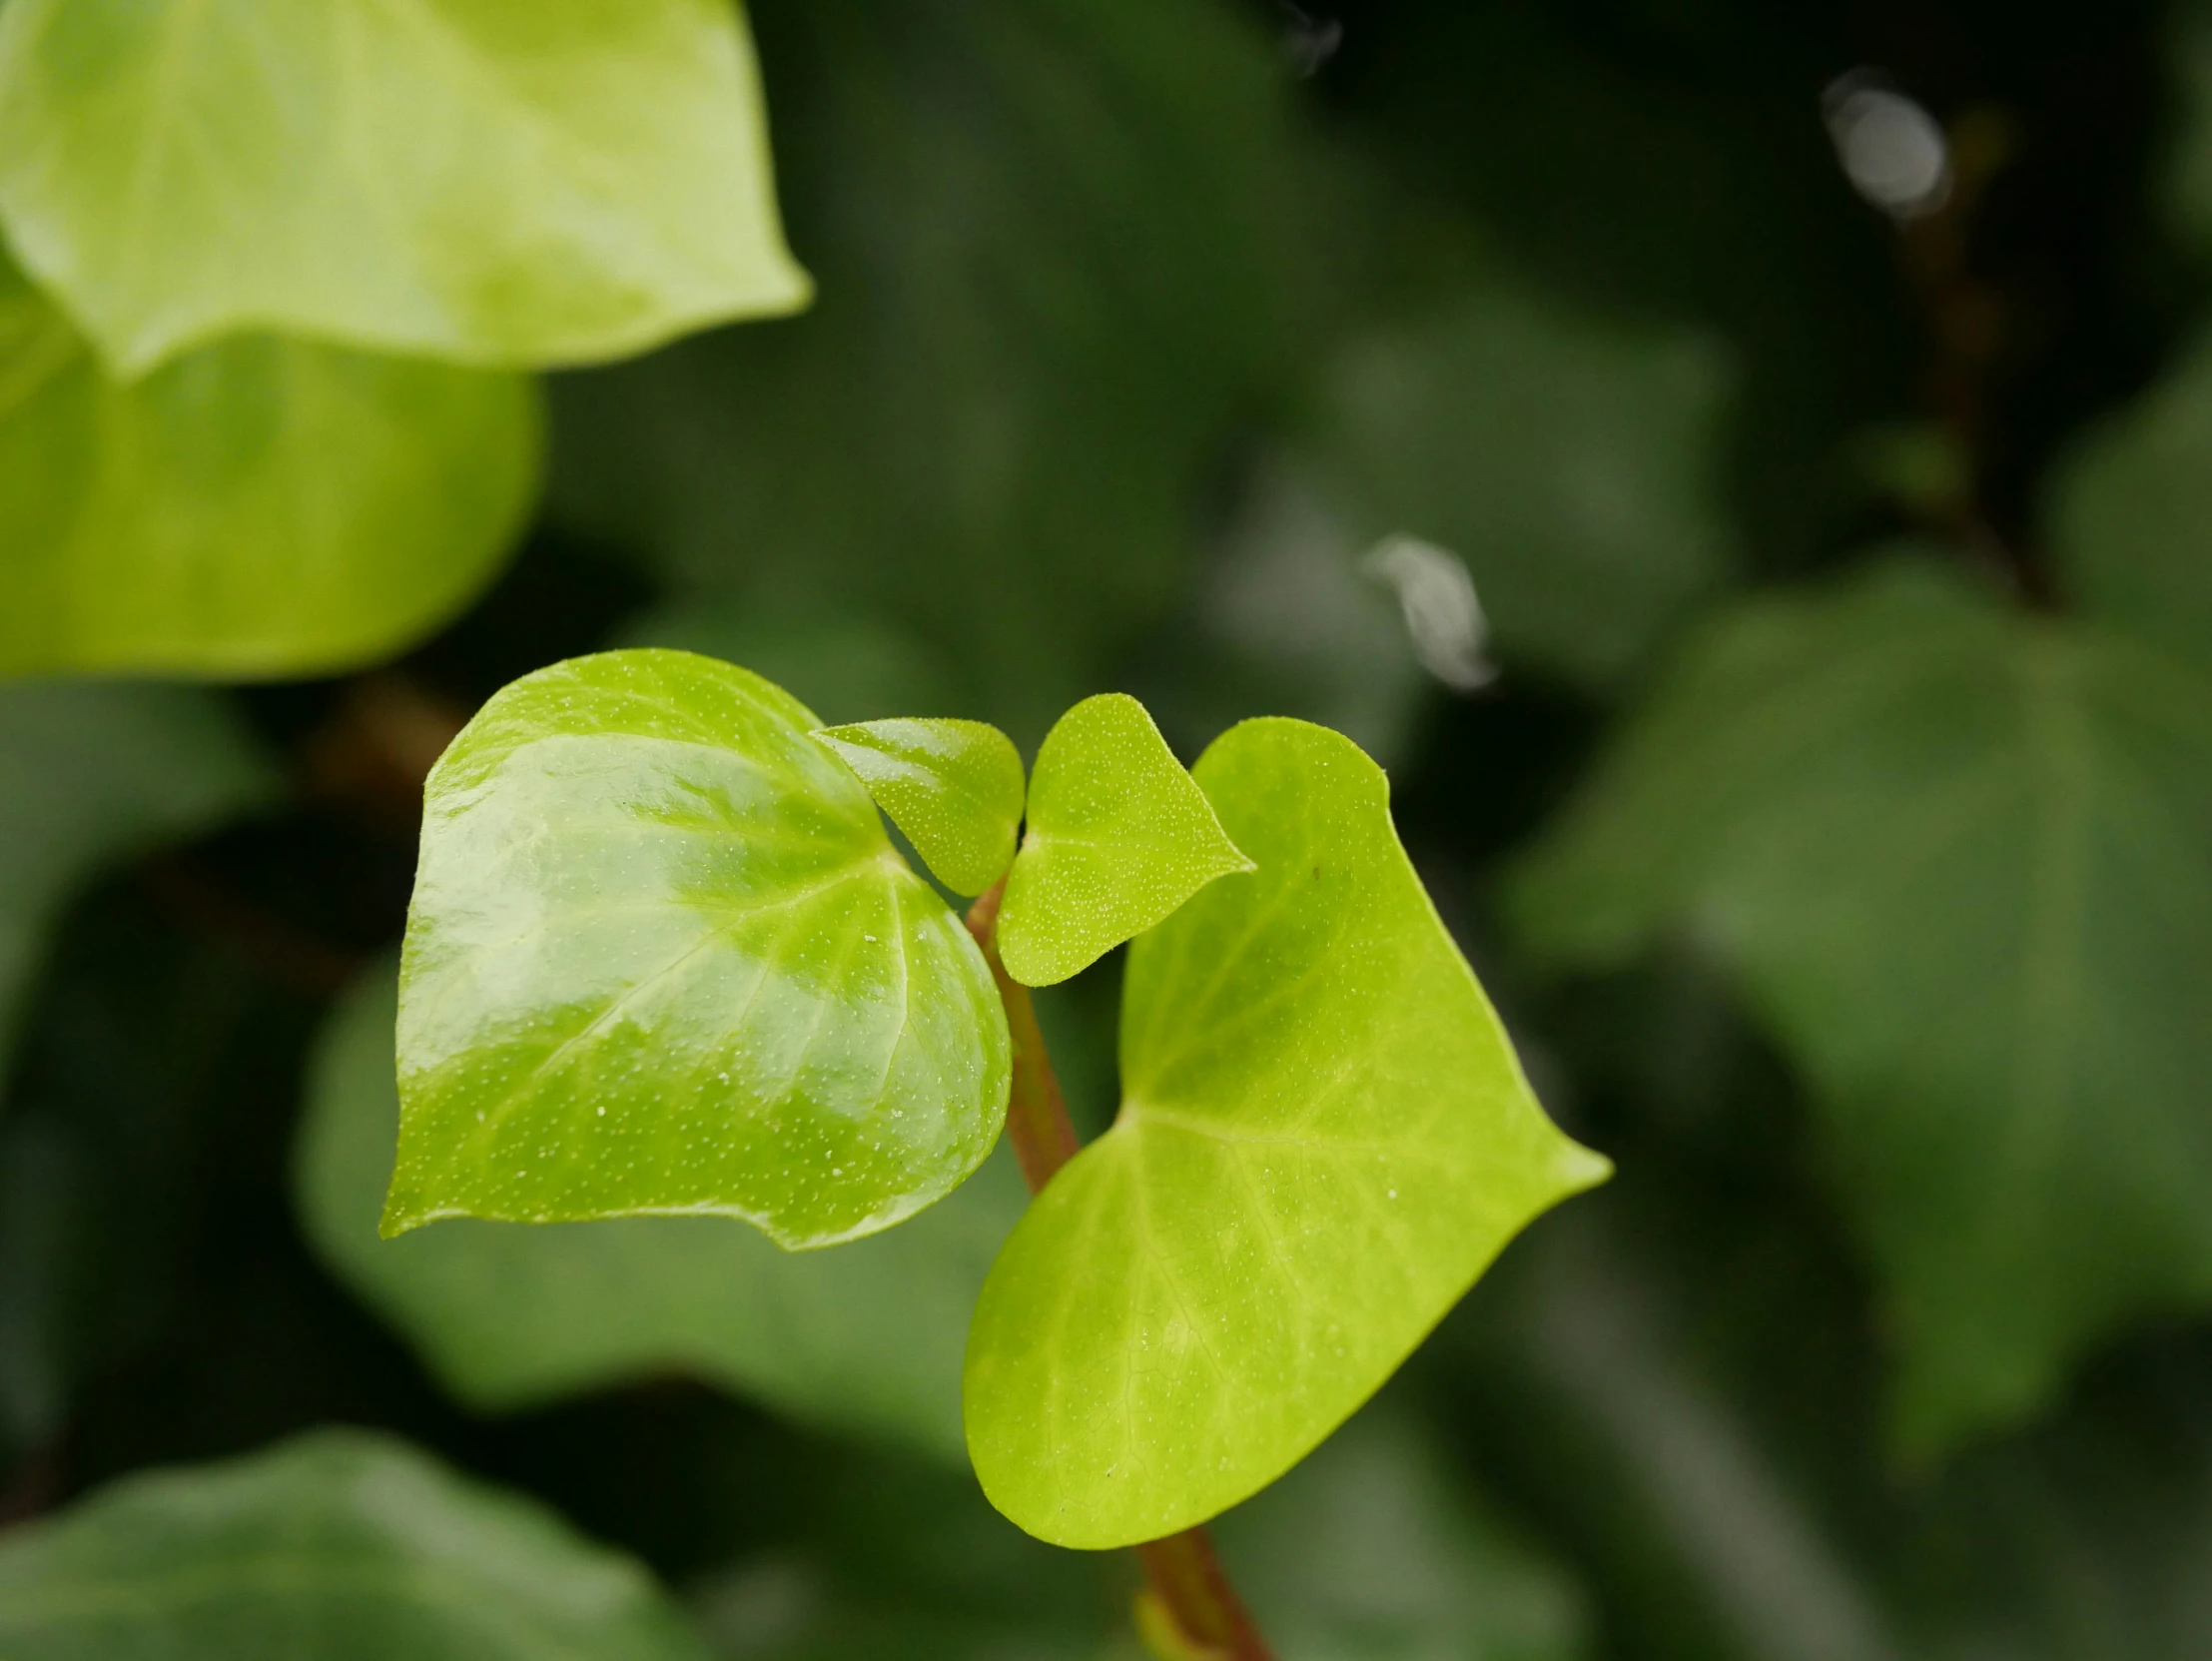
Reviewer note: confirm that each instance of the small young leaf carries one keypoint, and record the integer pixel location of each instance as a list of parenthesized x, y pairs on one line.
[(510, 1315), (260, 506), (1323, 1138), (500, 182), (338, 1545), (1118, 837), (662, 958), (954, 787)]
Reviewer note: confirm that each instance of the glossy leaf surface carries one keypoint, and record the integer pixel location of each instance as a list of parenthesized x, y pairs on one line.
[(91, 775), (258, 506), (662, 958), (509, 1315), (954, 787), (2131, 515), (1119, 836), (1958, 858), (1324, 1138), (337, 1546), (509, 182)]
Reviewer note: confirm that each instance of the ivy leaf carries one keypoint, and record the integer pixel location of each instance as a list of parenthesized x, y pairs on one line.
[(1324, 1138), (259, 507), (662, 958), (92, 775), (954, 787), (338, 1545), (2131, 509), (1959, 859), (509, 1315), (1118, 837), (499, 182)]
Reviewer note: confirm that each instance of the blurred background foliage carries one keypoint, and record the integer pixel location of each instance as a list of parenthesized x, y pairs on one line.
[(1778, 580)]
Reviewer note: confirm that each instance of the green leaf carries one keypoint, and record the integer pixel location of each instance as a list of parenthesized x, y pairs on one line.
[(1573, 463), (1118, 837), (340, 1545), (503, 182), (1958, 857), (954, 787), (509, 1315), (1054, 253), (259, 507), (92, 775), (1324, 1138), (2131, 514), (662, 958)]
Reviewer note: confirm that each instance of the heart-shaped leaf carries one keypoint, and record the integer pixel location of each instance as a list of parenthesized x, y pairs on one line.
[(510, 1314), (1118, 837), (1959, 857), (663, 958), (1324, 1138), (337, 1546), (510, 182), (259, 507), (954, 787)]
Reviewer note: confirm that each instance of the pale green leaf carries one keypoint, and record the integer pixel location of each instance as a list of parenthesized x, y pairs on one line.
[(954, 787), (1574, 464), (1119, 836), (501, 181), (340, 1545), (259, 507), (1959, 858), (662, 958), (2131, 512), (1324, 1138), (90, 775), (508, 1315)]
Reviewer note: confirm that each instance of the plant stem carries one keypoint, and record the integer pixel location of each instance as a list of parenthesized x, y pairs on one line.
[(1184, 1576)]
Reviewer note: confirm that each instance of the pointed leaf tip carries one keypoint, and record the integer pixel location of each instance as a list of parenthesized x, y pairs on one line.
[(1118, 837)]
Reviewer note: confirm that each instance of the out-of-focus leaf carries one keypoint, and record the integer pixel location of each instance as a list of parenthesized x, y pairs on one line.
[(1574, 464), (508, 182), (90, 775), (259, 507), (1324, 1138), (867, 1337), (953, 788), (662, 958), (1676, 1379), (1051, 245), (1119, 836), (2131, 514), (1959, 858), (337, 1546)]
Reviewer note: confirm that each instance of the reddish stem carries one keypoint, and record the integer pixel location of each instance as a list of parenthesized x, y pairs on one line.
[(1182, 1571)]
